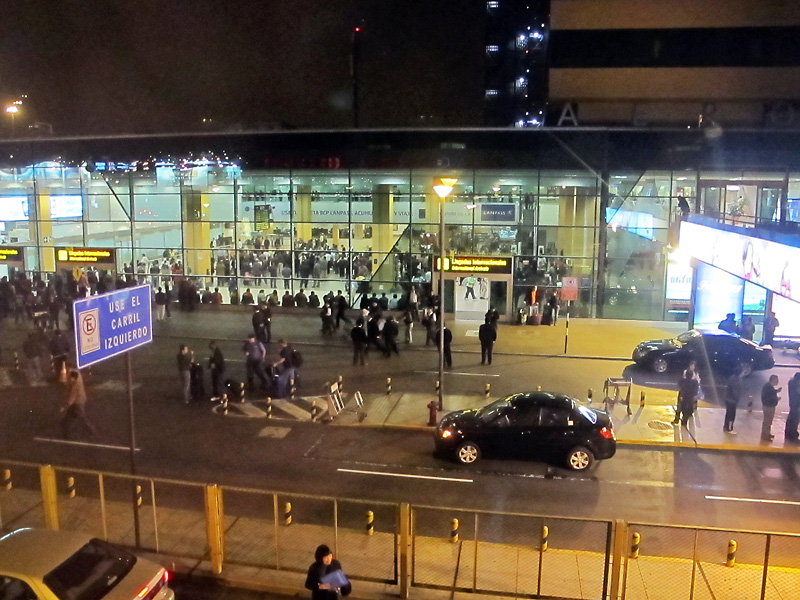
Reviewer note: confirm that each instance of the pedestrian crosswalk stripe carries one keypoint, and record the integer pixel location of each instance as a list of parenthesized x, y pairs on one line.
[(291, 409)]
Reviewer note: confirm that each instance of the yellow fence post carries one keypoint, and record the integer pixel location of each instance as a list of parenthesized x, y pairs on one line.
[(405, 549), (214, 519), (47, 477), (620, 551)]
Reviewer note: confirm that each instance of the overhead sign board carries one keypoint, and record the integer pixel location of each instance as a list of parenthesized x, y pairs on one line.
[(10, 254), (86, 256), (109, 324), (501, 265)]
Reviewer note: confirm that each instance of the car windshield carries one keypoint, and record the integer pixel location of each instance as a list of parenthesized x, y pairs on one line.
[(91, 572), (491, 411), (687, 337)]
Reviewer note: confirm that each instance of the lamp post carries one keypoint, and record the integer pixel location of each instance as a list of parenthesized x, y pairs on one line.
[(442, 189), (12, 109)]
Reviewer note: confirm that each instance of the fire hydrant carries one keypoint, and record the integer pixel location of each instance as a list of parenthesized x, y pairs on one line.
[(433, 409)]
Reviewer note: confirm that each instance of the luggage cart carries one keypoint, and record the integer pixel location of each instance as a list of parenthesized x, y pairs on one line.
[(617, 384)]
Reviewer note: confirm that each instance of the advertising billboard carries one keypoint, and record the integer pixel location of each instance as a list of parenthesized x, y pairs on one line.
[(717, 293)]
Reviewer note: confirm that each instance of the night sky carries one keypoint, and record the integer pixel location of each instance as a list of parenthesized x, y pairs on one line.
[(142, 66)]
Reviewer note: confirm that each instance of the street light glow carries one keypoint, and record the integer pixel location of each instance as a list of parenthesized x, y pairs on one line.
[(13, 109)]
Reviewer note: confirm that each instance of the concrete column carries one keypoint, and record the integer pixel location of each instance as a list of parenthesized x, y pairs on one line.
[(303, 215), (42, 231), (383, 237), (196, 232)]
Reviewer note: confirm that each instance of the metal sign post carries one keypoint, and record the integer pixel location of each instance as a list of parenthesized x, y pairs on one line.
[(107, 325)]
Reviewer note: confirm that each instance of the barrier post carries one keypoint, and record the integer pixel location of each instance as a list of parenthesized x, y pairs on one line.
[(16, 361), (438, 385), (405, 549), (538, 388), (636, 539), (731, 559), (589, 396), (269, 407), (314, 410), (370, 522), (487, 390), (62, 376), (287, 514), (224, 404), (70, 487), (454, 531), (388, 385), (339, 382), (47, 478), (545, 536), (7, 483), (292, 389), (641, 399), (214, 526), (241, 391), (138, 496)]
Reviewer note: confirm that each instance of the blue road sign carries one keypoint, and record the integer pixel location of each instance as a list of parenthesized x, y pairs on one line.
[(109, 324)]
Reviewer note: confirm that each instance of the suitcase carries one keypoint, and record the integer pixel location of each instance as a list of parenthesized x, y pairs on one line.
[(196, 386)]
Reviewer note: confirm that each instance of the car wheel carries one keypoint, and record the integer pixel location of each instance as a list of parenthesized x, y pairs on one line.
[(660, 365), (467, 453), (580, 458), (745, 368)]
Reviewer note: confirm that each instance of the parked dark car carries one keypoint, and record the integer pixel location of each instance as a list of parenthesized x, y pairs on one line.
[(528, 425), (714, 350)]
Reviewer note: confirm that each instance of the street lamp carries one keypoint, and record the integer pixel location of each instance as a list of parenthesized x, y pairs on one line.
[(443, 190), (13, 109)]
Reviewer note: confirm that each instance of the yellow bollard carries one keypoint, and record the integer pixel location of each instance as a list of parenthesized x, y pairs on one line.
[(487, 390), (340, 383), (635, 541), (224, 404), (314, 410), (438, 385), (62, 376), (589, 396), (241, 391), (388, 385), (731, 560), (538, 388), (545, 535), (641, 399), (7, 484), (292, 389), (454, 531), (269, 407), (138, 496), (70, 487), (370, 522), (16, 361), (287, 514)]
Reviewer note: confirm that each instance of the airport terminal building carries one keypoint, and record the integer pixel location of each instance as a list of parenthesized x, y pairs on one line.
[(593, 213)]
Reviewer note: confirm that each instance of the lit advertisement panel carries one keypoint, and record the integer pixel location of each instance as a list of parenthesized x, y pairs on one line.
[(768, 264), (788, 313), (637, 222), (13, 208), (66, 207), (717, 294)]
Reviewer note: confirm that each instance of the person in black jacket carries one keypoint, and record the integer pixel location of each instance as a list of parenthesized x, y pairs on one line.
[(260, 325), (360, 340), (487, 334), (448, 339), (769, 400), (793, 418), (390, 333), (323, 565), (216, 365)]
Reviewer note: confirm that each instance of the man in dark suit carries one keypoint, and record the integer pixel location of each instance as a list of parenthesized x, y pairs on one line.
[(487, 334)]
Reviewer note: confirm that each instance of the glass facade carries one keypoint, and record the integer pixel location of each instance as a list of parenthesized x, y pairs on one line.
[(376, 230)]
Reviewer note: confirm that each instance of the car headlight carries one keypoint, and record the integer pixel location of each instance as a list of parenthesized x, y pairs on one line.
[(446, 433)]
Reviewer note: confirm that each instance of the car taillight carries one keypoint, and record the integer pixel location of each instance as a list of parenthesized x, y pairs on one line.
[(166, 576), (607, 433)]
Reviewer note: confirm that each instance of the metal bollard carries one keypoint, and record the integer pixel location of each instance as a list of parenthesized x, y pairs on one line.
[(70, 487), (241, 391), (314, 410), (224, 404), (589, 397), (62, 376), (7, 483), (635, 541), (731, 560), (487, 390), (538, 388), (454, 531), (292, 390), (287, 514), (16, 361), (438, 386), (545, 535), (138, 495), (641, 399), (269, 407), (388, 385), (340, 383), (370, 522)]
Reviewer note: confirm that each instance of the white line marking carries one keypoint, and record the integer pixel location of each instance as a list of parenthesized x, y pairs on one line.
[(90, 444), (356, 471), (469, 374), (754, 500), (294, 410)]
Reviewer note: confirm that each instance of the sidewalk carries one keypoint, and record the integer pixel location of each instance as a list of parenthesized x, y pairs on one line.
[(646, 426)]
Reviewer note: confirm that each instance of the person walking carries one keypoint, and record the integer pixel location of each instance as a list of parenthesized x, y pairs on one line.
[(358, 334), (448, 339), (59, 348), (793, 418), (75, 407), (733, 395), (185, 372), (487, 334), (492, 316), (771, 323), (341, 306), (688, 387), (408, 321), (260, 325), (287, 362), (413, 303), (325, 577), (769, 400), (161, 304), (390, 333), (255, 354), (216, 366)]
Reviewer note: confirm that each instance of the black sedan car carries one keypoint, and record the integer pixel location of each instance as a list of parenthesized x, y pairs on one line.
[(716, 350), (528, 425)]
